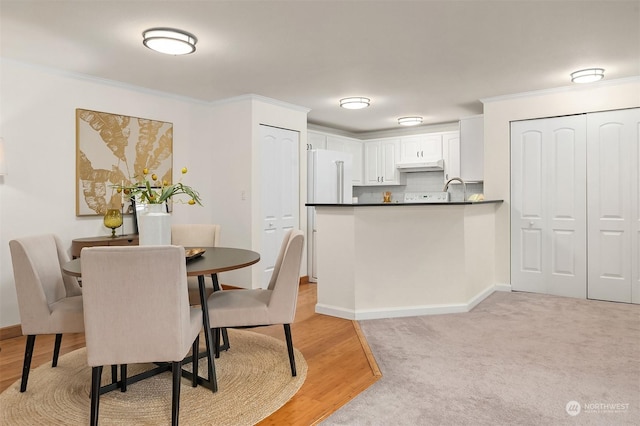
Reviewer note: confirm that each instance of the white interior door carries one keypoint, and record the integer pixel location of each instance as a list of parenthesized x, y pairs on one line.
[(280, 192), (548, 206), (613, 211)]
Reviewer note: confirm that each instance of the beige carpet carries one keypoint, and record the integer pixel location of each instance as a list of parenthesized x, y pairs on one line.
[(516, 359), (254, 380)]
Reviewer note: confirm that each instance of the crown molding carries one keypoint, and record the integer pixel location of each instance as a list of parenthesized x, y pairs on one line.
[(564, 89)]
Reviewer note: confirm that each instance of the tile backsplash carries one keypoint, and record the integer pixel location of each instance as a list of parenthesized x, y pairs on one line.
[(415, 182)]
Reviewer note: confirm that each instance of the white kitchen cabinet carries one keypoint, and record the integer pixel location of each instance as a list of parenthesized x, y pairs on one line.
[(463, 151), (316, 140), (451, 155), (421, 148), (352, 146), (380, 159), (472, 148)]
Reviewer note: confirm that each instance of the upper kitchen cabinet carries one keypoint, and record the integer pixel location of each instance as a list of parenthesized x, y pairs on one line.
[(353, 146), (421, 148), (380, 159), (451, 155), (472, 148), (316, 140), (463, 151)]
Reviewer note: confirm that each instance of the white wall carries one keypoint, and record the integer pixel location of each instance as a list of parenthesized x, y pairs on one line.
[(499, 112), (37, 121), (235, 128)]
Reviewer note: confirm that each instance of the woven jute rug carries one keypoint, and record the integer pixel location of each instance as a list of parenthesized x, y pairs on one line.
[(254, 380)]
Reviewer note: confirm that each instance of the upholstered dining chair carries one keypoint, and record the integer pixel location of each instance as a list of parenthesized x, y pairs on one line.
[(261, 307), (136, 310), (49, 301), (200, 235), (197, 235)]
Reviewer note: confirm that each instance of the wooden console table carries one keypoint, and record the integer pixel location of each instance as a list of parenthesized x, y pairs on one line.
[(120, 240)]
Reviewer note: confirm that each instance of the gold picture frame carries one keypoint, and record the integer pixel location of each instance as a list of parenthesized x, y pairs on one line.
[(114, 149)]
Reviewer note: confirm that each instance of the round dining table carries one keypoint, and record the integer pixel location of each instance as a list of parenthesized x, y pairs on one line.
[(211, 261)]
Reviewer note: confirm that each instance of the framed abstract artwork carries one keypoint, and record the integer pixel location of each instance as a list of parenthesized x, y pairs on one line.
[(114, 149)]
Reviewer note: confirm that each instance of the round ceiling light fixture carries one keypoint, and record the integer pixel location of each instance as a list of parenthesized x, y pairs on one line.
[(355, 103), (588, 75), (409, 121), (169, 41)]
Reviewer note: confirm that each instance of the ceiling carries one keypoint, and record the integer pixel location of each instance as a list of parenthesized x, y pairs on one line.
[(434, 59)]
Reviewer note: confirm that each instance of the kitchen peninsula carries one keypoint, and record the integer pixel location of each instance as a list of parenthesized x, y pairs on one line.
[(394, 259)]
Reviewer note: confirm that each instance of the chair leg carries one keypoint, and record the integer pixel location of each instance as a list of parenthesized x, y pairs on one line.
[(216, 342), (114, 373), (123, 377), (56, 350), (195, 349), (292, 359), (225, 339), (28, 352), (175, 398), (96, 374)]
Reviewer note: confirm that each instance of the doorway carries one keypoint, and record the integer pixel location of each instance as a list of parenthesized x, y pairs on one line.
[(280, 199)]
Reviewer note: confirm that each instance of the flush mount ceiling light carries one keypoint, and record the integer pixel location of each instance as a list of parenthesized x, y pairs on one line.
[(355, 103), (588, 75), (169, 41), (409, 121)]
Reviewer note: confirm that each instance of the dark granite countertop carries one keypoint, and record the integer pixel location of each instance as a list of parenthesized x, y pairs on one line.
[(450, 203)]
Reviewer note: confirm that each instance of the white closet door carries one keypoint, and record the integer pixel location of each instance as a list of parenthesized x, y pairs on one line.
[(548, 205), (613, 211), (280, 193)]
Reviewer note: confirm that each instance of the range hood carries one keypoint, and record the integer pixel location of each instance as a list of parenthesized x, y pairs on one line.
[(427, 166)]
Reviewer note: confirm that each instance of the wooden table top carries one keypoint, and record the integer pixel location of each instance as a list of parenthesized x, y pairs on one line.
[(213, 261)]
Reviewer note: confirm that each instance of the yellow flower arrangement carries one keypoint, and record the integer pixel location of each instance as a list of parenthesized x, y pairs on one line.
[(154, 191)]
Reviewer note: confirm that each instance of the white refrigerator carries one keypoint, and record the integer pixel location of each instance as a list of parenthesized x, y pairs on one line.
[(329, 181)]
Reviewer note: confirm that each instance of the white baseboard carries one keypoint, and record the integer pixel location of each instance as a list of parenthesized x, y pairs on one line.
[(335, 311), (480, 297), (408, 311), (503, 287)]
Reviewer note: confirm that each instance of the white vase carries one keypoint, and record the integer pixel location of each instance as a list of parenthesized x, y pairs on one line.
[(155, 225)]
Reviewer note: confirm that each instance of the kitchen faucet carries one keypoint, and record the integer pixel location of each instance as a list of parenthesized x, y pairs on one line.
[(464, 187)]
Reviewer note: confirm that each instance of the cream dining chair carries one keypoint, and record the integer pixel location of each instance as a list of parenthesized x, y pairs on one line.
[(136, 310), (49, 301), (261, 307), (200, 235)]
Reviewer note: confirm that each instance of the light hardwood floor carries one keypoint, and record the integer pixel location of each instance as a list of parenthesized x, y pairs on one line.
[(340, 365)]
